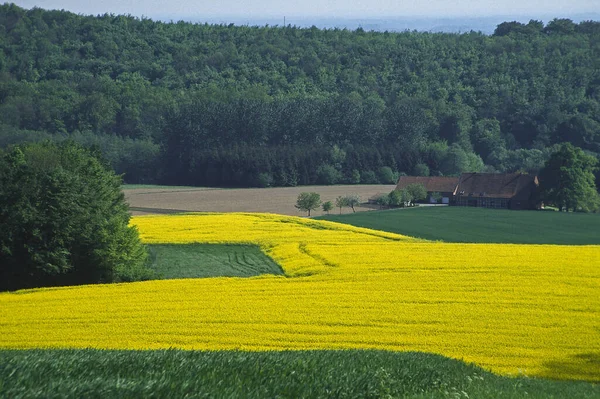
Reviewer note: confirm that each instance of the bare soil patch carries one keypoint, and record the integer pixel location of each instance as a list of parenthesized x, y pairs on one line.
[(279, 200)]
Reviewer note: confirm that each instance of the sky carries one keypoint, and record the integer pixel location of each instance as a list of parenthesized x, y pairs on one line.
[(197, 9)]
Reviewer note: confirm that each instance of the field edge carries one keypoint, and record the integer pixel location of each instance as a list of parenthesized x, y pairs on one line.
[(364, 373)]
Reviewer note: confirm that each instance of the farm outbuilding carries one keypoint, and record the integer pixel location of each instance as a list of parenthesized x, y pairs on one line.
[(497, 190), (444, 186)]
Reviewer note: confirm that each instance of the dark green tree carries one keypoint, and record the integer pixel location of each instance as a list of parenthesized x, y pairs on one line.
[(562, 26), (421, 169), (487, 138), (387, 175), (63, 220), (369, 177), (567, 180), (328, 175), (456, 161)]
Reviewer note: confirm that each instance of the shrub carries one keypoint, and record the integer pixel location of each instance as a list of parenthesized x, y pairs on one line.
[(395, 198), (383, 200), (436, 196)]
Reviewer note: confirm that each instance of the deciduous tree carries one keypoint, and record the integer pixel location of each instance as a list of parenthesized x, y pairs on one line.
[(340, 202), (308, 202), (396, 198), (64, 220), (567, 180), (352, 201), (416, 191)]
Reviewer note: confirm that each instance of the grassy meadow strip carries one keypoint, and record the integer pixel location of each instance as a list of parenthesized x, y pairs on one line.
[(289, 374), (512, 309), (209, 260), (456, 224)]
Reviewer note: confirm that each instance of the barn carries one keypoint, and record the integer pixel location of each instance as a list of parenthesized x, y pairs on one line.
[(497, 190)]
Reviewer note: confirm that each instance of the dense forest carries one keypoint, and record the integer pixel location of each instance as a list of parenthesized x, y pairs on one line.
[(200, 104)]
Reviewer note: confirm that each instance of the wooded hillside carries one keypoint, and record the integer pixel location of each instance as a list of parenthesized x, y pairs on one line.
[(192, 104)]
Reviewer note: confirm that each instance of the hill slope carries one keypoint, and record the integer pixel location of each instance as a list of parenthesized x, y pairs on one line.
[(192, 104), (509, 308)]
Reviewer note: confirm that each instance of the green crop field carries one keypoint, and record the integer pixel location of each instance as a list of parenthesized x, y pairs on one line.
[(454, 224), (281, 374), (209, 260)]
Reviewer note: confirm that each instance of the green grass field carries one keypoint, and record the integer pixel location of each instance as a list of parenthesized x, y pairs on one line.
[(209, 260), (454, 224), (302, 374)]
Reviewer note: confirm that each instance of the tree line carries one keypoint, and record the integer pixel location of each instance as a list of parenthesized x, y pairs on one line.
[(200, 104)]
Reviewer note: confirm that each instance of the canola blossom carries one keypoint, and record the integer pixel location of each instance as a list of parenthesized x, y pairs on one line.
[(512, 309)]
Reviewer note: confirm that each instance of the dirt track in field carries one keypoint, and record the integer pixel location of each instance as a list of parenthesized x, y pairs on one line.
[(270, 200)]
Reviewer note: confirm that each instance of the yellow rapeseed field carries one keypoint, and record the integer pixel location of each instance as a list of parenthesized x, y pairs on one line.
[(513, 309)]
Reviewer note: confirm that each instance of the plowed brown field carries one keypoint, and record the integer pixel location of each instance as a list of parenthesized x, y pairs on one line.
[(270, 200)]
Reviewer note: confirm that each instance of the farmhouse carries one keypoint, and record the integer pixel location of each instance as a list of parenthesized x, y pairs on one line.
[(484, 190), (445, 186), (497, 190)]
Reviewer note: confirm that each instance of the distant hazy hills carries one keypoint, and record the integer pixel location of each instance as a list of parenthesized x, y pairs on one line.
[(392, 24)]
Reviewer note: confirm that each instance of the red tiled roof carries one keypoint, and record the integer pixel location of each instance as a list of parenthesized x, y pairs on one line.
[(496, 185), (432, 183)]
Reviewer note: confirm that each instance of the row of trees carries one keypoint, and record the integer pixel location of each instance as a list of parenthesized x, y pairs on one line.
[(310, 201), (199, 104)]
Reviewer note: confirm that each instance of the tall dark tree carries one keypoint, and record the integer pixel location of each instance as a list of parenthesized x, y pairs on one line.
[(63, 220)]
